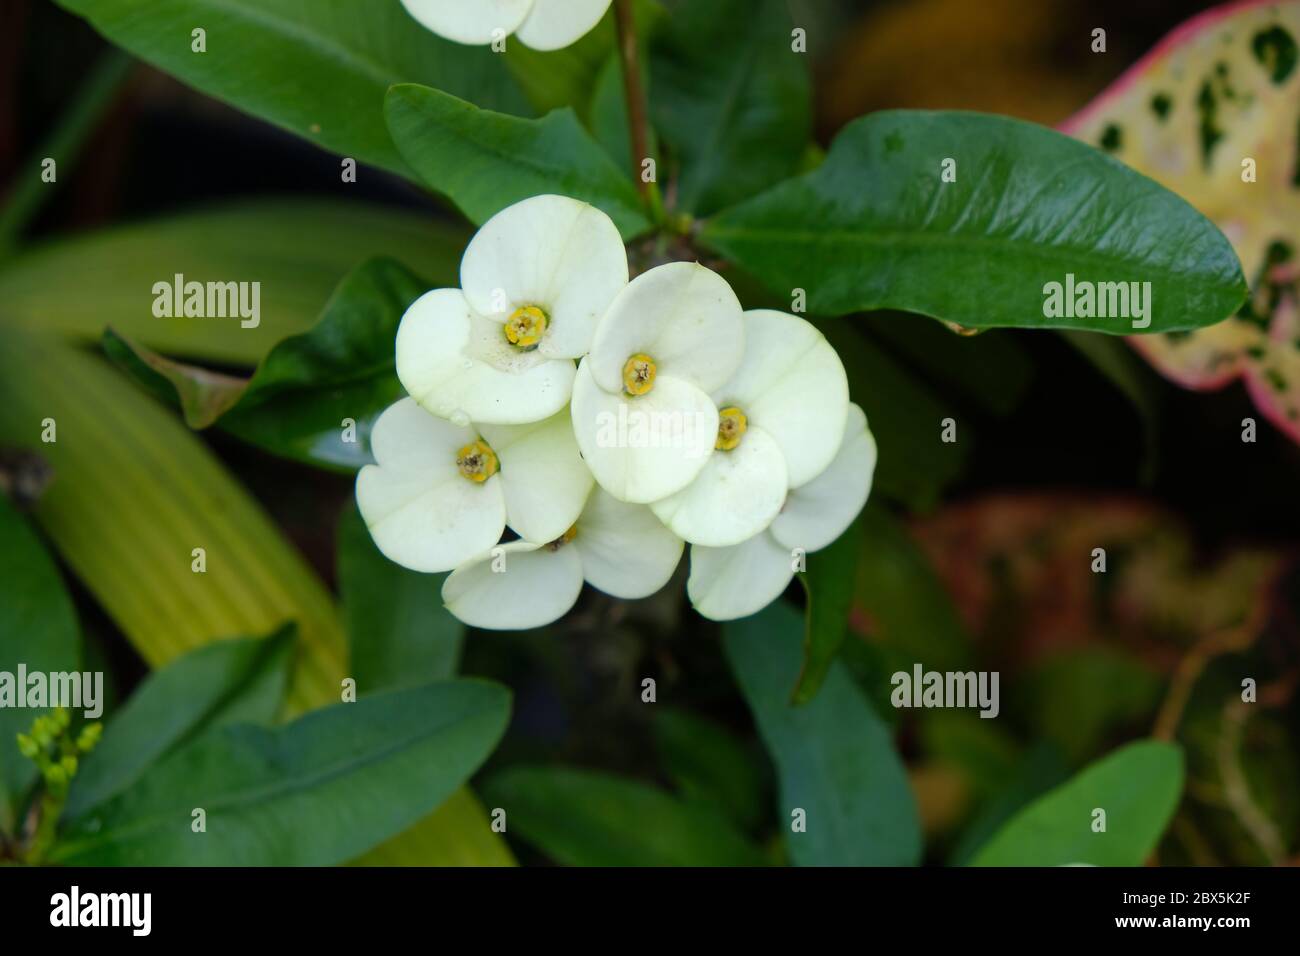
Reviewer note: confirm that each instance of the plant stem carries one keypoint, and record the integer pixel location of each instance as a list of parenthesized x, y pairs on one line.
[(74, 127), (634, 93)]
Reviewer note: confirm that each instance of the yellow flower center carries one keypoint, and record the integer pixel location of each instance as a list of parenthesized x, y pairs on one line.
[(732, 424), (525, 327), (477, 461), (563, 539), (639, 374)]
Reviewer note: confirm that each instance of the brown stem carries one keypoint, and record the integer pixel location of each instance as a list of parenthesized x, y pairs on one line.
[(638, 127)]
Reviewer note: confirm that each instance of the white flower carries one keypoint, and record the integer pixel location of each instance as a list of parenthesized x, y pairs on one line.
[(641, 407), (535, 280), (781, 422), (441, 493), (620, 548), (540, 24), (733, 582)]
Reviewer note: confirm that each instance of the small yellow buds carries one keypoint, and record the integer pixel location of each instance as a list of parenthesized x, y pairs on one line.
[(638, 374), (563, 539), (732, 424), (525, 327), (477, 461)]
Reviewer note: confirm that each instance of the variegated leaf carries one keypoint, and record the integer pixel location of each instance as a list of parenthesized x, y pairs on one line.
[(1213, 113)]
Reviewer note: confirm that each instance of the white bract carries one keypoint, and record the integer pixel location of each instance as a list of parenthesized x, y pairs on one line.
[(733, 582), (781, 421), (642, 410), (540, 24), (440, 493), (535, 280), (619, 548)]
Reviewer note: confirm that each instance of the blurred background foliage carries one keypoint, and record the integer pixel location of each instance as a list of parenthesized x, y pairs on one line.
[(974, 555)]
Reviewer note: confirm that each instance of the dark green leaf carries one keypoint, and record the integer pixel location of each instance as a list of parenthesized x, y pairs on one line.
[(300, 396), (1138, 786), (876, 227), (318, 69), (1041, 769), (242, 680), (38, 629), (484, 161), (834, 756), (316, 792), (732, 99), (579, 818), (829, 584), (398, 630), (708, 764)]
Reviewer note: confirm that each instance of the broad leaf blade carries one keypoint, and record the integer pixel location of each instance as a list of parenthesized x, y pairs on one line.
[(241, 680), (834, 756), (38, 629), (318, 68), (399, 631), (708, 764), (580, 818), (316, 792), (1138, 786), (484, 161), (875, 226)]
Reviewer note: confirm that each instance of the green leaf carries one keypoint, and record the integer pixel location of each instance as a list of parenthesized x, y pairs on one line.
[(317, 69), (484, 161), (833, 755), (732, 99), (400, 632), (1041, 769), (829, 584), (1138, 786), (876, 227), (316, 792), (709, 765), (297, 249), (241, 680), (38, 629), (297, 401), (579, 818), (134, 493)]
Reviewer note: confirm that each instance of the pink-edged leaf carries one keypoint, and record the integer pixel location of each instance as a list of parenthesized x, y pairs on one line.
[(1218, 97)]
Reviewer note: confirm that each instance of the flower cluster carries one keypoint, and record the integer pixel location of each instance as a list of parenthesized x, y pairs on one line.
[(685, 420)]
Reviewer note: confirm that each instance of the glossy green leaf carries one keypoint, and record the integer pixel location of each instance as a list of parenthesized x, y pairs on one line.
[(38, 629), (834, 756), (298, 250), (580, 818), (875, 227), (484, 161), (399, 632), (318, 68), (709, 764), (316, 792), (732, 99), (829, 584), (241, 680), (1138, 787), (309, 385)]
